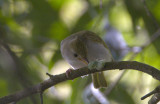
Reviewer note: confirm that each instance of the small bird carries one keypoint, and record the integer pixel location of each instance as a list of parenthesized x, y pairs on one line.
[(84, 47)]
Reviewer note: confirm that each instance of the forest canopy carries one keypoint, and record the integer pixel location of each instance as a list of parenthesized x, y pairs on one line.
[(30, 36)]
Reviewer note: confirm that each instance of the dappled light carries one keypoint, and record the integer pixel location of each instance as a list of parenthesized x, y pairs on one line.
[(30, 40)]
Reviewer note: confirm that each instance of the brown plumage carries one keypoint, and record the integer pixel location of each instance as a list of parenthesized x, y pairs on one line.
[(86, 46)]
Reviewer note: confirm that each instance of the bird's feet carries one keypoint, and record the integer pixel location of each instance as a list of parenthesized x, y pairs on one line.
[(68, 72), (98, 64)]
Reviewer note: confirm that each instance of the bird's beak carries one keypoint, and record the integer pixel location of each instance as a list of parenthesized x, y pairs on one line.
[(84, 60)]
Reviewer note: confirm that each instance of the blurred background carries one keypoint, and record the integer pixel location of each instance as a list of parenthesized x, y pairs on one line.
[(30, 36)]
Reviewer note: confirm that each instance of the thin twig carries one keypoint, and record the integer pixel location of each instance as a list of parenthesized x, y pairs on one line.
[(150, 14), (155, 99), (113, 85), (41, 97), (153, 38), (156, 90)]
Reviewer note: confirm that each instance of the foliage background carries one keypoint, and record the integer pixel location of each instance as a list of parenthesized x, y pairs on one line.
[(32, 31)]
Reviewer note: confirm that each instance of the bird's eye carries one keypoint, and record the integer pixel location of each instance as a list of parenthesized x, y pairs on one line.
[(75, 55)]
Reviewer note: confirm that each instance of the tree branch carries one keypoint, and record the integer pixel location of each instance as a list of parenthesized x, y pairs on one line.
[(55, 79), (156, 90), (155, 99)]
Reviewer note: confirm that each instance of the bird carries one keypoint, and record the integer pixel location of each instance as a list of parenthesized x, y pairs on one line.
[(84, 47)]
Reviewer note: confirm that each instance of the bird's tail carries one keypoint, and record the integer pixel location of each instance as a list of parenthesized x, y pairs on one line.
[(99, 80)]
